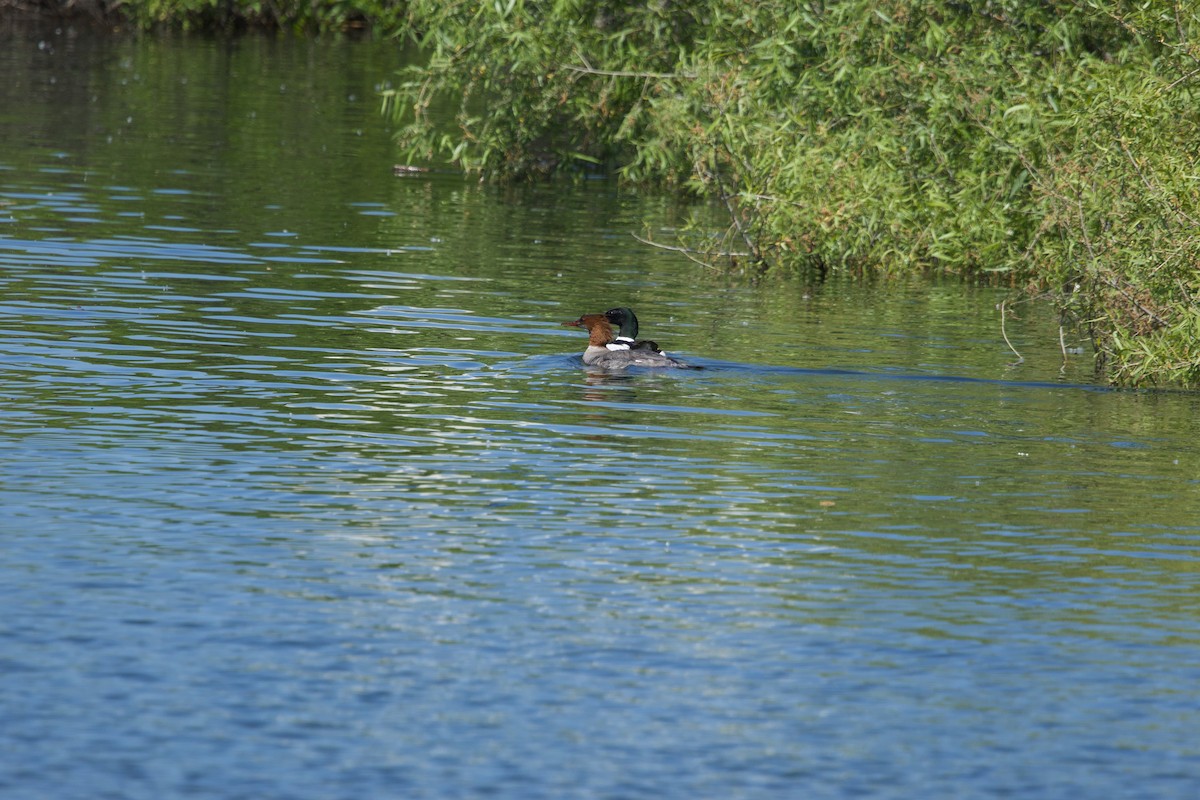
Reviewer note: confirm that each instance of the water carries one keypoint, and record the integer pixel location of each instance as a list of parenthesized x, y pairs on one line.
[(307, 495)]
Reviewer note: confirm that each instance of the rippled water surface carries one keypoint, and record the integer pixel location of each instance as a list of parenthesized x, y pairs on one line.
[(307, 494)]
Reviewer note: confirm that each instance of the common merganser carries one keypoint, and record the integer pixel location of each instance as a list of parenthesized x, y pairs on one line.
[(626, 321), (598, 354)]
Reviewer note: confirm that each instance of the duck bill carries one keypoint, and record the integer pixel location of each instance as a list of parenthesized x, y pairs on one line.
[(576, 324)]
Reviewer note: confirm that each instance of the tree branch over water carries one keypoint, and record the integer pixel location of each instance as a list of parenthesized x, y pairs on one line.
[(691, 253)]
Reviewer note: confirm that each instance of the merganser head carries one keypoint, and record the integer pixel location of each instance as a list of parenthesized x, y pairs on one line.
[(624, 319), (598, 327)]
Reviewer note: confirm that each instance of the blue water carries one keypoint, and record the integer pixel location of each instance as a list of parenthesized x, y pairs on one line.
[(306, 493)]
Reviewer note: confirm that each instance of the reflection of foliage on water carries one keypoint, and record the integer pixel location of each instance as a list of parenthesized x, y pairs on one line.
[(222, 15), (183, 120)]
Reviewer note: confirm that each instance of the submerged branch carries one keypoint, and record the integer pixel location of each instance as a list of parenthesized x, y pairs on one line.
[(1004, 333)]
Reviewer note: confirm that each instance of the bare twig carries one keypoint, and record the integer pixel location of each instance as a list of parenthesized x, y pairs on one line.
[(1020, 358), (688, 252), (1113, 283), (769, 198), (1183, 289), (620, 73), (1181, 79), (735, 217)]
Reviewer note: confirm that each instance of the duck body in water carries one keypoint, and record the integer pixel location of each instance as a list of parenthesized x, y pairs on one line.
[(601, 351)]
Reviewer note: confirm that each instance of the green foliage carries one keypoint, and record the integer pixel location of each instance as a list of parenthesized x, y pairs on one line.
[(1117, 198), (1049, 145), (528, 98)]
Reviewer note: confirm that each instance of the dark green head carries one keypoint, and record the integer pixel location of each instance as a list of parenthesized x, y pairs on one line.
[(625, 320)]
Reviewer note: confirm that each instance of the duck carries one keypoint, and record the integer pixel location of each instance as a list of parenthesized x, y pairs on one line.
[(599, 354), (627, 325)]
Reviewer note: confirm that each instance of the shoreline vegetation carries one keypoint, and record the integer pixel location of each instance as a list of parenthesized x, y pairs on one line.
[(1050, 147)]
